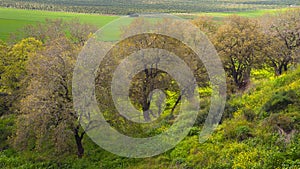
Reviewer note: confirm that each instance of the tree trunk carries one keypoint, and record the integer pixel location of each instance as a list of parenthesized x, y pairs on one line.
[(277, 71), (285, 67), (146, 87), (235, 78), (78, 139), (146, 112), (146, 102), (175, 105)]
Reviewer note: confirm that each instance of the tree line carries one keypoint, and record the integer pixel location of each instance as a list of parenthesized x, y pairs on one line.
[(245, 44), (137, 6)]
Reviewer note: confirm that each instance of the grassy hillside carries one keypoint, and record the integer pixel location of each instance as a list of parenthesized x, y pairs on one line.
[(221, 15), (11, 20), (257, 131)]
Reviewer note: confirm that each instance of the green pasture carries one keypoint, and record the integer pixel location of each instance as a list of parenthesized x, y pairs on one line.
[(255, 13), (221, 15), (12, 20)]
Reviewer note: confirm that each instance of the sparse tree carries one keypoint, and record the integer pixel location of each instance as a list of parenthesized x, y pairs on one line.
[(15, 63), (239, 44), (13, 74), (47, 119), (282, 39), (151, 77), (206, 24), (3, 95)]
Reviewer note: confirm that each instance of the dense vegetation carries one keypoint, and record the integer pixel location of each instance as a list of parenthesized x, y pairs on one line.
[(250, 138), (259, 129), (142, 6)]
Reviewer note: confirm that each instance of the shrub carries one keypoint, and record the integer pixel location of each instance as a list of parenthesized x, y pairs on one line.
[(249, 115), (229, 111), (238, 129), (287, 122), (6, 128), (280, 101), (243, 132), (4, 109)]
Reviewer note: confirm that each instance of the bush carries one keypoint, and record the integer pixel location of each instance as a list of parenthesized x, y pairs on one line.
[(280, 101), (249, 115), (287, 122), (237, 129), (243, 132), (6, 129), (4, 109), (229, 111)]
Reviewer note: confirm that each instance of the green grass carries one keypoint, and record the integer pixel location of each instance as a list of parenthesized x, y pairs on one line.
[(112, 31), (221, 15), (11, 20), (255, 13)]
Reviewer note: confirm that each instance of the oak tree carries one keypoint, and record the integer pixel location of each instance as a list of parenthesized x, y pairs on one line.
[(47, 119), (239, 44), (282, 39)]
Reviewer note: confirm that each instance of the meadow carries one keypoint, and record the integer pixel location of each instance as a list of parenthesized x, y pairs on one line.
[(12, 20), (221, 15)]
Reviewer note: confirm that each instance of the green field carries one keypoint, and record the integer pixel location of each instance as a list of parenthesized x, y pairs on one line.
[(221, 15), (12, 20), (253, 14)]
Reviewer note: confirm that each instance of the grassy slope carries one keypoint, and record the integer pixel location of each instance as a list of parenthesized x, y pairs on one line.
[(248, 139), (255, 13), (237, 143), (11, 20), (221, 15)]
